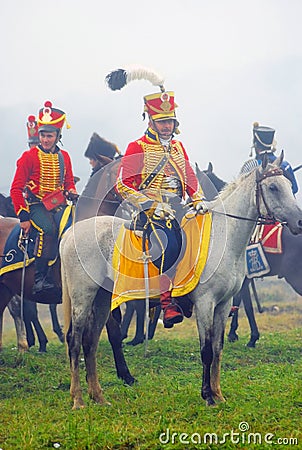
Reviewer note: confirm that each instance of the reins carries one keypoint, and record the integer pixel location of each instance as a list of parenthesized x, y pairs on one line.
[(261, 220)]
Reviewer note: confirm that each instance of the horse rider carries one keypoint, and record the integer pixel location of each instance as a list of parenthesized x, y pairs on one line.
[(155, 176), (42, 182), (32, 131), (100, 152), (264, 144)]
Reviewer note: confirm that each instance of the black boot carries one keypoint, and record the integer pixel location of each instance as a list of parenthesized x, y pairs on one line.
[(42, 282)]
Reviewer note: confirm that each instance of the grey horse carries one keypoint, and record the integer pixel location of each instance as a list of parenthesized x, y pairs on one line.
[(86, 267)]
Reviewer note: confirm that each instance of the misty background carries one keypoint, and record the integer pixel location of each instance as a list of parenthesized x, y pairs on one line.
[(229, 63)]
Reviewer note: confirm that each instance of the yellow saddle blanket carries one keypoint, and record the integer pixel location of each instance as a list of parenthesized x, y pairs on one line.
[(128, 265)]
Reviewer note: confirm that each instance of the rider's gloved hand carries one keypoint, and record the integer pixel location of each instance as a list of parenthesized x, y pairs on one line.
[(71, 196), (200, 207), (164, 211)]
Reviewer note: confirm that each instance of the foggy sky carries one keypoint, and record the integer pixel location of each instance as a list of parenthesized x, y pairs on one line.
[(229, 63)]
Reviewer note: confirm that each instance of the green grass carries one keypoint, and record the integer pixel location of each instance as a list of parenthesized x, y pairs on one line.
[(262, 387)]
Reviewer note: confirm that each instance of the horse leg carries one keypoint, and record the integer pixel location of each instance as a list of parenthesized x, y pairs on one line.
[(31, 310), (127, 317), (4, 292), (74, 341), (249, 310), (57, 328), (74, 318), (204, 324), (74, 334), (153, 321), (233, 336), (1, 331), (140, 308), (221, 314), (91, 335), (14, 307), (30, 336), (115, 339)]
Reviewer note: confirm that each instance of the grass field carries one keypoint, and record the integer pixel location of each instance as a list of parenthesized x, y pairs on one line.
[(164, 409)]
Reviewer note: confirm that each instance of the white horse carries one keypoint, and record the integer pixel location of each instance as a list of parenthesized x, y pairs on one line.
[(86, 255)]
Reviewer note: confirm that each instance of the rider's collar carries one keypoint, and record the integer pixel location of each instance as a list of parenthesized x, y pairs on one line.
[(153, 136), (40, 147)]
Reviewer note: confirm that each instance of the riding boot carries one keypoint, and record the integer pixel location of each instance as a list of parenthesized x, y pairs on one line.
[(42, 282), (172, 312)]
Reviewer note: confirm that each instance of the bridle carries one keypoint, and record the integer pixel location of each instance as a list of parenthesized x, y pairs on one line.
[(269, 218), (116, 200), (259, 194)]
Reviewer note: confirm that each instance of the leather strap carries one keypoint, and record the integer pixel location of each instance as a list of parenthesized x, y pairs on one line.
[(148, 180), (61, 164)]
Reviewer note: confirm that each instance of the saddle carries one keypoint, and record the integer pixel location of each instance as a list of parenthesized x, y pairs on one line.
[(128, 262), (13, 255)]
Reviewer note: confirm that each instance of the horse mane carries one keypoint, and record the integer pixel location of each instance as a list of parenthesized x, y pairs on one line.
[(229, 188), (247, 169)]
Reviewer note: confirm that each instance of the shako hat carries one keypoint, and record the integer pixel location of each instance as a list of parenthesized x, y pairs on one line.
[(99, 146), (158, 106), (51, 119), (32, 131), (263, 139)]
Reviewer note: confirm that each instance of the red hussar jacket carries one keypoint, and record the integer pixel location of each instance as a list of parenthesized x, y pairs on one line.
[(140, 161), (39, 173)]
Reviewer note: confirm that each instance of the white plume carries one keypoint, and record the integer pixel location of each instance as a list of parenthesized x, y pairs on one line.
[(144, 73)]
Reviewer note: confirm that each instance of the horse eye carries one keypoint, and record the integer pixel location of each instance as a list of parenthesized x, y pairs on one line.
[(273, 187)]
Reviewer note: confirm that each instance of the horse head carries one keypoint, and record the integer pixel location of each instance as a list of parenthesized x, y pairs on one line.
[(6, 206), (274, 197), (211, 184), (99, 196)]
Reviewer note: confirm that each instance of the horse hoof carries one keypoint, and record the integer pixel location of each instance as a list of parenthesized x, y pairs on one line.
[(135, 342), (129, 380), (233, 338), (78, 405), (62, 338), (210, 402)]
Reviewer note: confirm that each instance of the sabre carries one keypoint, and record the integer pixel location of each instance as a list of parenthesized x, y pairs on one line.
[(297, 168), (145, 258), (25, 238)]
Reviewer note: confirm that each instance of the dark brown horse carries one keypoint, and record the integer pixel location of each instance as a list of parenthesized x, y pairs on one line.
[(6, 207), (98, 198), (30, 311), (6, 226)]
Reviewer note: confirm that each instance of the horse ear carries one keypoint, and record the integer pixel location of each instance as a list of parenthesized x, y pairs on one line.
[(264, 161), (279, 159), (210, 167)]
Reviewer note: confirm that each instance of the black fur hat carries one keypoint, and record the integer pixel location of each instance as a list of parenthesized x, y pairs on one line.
[(99, 146)]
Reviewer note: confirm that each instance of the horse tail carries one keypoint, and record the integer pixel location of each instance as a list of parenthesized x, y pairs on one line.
[(66, 300)]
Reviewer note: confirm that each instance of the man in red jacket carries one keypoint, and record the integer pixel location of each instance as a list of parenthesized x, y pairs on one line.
[(156, 176), (42, 172)]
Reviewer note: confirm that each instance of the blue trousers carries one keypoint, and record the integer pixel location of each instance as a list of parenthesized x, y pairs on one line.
[(165, 242)]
